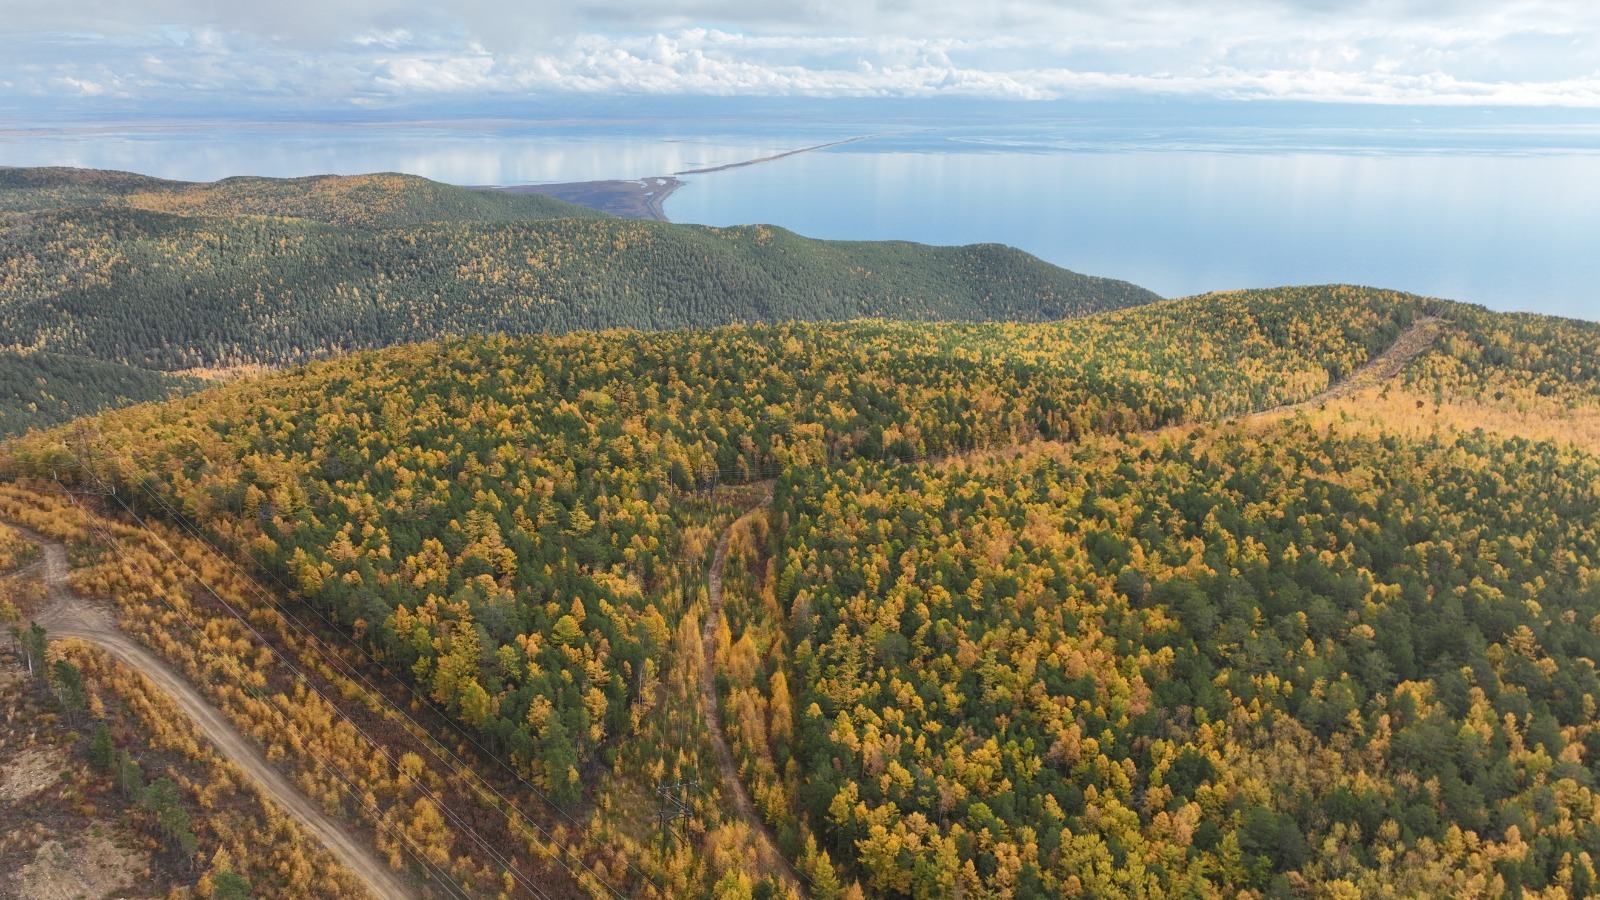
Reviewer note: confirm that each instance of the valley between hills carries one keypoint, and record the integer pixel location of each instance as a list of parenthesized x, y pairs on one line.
[(525, 551)]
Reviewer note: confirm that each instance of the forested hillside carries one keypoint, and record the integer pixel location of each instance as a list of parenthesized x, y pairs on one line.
[(504, 520), (277, 291), (43, 389), (168, 276), (1200, 663), (370, 201), (1140, 647)]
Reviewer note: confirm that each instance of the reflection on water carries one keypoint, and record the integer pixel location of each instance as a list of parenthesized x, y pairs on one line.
[(1503, 216), (1511, 232), (489, 154)]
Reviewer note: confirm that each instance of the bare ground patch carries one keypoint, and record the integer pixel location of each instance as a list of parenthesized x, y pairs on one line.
[(28, 772), (93, 869)]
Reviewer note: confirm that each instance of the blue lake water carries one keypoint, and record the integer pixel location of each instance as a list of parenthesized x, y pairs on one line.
[(1514, 232), (1507, 216), (470, 153)]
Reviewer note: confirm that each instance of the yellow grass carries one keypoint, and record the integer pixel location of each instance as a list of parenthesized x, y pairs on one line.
[(1401, 411)]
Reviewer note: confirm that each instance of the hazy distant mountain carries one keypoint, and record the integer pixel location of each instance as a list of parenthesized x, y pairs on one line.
[(370, 201)]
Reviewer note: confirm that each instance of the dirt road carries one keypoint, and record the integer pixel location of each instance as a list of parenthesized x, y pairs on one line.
[(71, 616), (772, 861), (1408, 346)]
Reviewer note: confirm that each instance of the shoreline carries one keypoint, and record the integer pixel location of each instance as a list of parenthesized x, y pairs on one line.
[(657, 201), (774, 157), (643, 198)]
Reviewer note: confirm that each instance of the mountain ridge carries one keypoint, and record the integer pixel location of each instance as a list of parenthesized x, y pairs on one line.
[(273, 272), (1000, 671)]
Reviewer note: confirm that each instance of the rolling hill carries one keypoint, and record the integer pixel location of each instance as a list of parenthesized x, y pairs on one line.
[(385, 200), (276, 291), (170, 276), (1142, 643), (1267, 593), (40, 389)]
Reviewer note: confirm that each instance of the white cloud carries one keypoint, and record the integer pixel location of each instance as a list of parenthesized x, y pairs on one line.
[(84, 87), (392, 39), (439, 74), (372, 52), (701, 61)]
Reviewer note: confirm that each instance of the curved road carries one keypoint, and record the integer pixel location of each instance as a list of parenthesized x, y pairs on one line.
[(71, 616)]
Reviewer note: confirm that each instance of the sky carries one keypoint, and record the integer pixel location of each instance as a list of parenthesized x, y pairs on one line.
[(244, 59)]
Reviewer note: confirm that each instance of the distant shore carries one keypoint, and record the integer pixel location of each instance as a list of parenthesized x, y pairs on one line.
[(639, 199), (643, 198), (773, 157)]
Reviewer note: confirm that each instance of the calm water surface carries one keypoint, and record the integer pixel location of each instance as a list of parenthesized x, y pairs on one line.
[(468, 153), (1506, 217), (1514, 232)]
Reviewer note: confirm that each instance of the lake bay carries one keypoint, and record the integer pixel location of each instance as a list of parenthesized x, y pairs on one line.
[(1507, 215)]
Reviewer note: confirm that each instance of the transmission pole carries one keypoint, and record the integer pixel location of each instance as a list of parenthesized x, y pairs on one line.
[(675, 806)]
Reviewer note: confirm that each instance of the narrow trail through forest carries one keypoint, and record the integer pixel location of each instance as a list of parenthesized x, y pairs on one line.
[(772, 860), (69, 615), (1408, 346)]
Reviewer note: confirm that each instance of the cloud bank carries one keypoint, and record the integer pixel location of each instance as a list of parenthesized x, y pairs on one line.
[(363, 53)]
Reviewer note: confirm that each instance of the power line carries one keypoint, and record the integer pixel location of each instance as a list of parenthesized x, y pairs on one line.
[(255, 693), (317, 646), (341, 665), (337, 663), (422, 788), (674, 806)]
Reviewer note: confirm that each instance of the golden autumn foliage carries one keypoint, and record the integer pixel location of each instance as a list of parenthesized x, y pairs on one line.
[(1222, 660), (1330, 653), (15, 550), (240, 830), (457, 503), (158, 578)]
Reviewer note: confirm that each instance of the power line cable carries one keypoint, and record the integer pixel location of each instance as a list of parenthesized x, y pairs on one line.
[(427, 793), (184, 523), (422, 788), (255, 693), (332, 659)]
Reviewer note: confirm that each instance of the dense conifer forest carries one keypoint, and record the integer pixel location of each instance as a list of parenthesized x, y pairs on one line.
[(43, 389), (1224, 659), (1099, 606), (276, 291), (368, 201), (1127, 640), (274, 272)]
